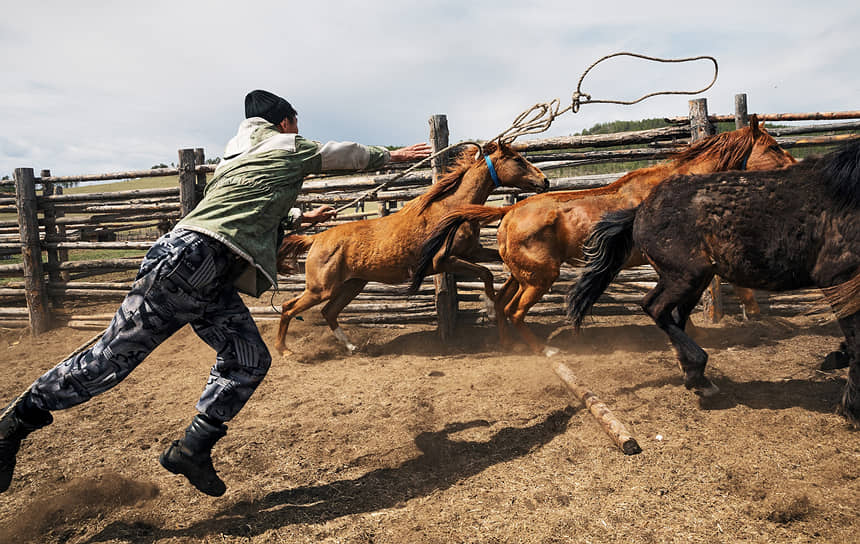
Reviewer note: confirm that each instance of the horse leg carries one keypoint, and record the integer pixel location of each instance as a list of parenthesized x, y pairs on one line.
[(456, 265), (293, 307), (749, 305), (681, 314), (850, 404), (681, 296), (526, 298), (503, 298), (340, 297), (485, 255)]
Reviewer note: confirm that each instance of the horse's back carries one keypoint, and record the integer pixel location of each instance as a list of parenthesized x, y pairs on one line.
[(761, 230), (379, 249)]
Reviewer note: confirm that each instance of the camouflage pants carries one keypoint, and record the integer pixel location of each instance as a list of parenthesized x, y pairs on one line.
[(185, 277)]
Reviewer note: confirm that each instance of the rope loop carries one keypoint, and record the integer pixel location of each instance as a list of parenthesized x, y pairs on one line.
[(649, 95), (539, 117)]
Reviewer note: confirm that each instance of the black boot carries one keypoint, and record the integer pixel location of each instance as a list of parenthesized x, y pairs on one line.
[(16, 423), (192, 456)]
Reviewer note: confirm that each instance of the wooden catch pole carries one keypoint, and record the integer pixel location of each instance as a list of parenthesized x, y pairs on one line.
[(614, 428)]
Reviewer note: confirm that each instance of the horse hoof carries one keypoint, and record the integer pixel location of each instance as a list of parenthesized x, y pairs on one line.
[(700, 385), (834, 360), (351, 348), (549, 352), (851, 415), (707, 391)]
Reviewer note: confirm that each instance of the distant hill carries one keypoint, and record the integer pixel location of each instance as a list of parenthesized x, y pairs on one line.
[(624, 126), (645, 124)]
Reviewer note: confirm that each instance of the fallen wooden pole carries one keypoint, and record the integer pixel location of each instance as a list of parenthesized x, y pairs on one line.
[(614, 428)]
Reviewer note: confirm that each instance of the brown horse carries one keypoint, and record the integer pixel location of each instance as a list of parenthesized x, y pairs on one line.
[(786, 229), (540, 233), (341, 260)]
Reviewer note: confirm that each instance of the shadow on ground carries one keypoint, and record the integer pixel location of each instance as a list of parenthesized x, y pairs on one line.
[(442, 463)]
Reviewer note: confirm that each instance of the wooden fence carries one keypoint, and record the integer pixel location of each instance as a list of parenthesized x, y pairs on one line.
[(47, 289)]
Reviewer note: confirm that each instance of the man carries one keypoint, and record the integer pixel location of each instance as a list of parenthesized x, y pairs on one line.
[(192, 274)]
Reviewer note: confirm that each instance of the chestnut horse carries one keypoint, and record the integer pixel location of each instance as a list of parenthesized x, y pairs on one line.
[(540, 233), (786, 229), (341, 260)]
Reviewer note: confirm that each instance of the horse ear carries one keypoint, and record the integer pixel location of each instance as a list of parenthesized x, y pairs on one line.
[(506, 148), (754, 125), (490, 148)]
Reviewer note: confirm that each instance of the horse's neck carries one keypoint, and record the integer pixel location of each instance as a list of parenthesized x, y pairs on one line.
[(638, 184), (648, 177), (472, 189)]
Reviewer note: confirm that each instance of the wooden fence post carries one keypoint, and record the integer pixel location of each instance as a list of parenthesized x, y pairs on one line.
[(446, 286), (51, 230), (200, 177), (384, 208), (187, 181), (31, 251), (742, 118), (701, 127)]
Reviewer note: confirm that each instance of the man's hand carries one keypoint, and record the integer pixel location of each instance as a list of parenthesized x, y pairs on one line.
[(322, 213), (411, 153)]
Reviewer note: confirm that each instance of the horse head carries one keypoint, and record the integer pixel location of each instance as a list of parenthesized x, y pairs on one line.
[(512, 169), (766, 153)]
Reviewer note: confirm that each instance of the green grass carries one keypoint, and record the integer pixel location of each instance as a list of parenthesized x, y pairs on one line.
[(99, 254), (163, 182)]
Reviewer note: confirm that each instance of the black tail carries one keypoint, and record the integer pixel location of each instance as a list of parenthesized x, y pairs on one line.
[(442, 234), (606, 250)]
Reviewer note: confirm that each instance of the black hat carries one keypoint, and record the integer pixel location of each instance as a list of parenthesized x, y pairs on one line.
[(270, 107)]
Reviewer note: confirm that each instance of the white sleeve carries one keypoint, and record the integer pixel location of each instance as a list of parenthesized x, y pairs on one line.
[(344, 156)]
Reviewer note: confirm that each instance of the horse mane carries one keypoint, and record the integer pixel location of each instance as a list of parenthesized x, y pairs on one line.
[(446, 183), (842, 173), (730, 149)]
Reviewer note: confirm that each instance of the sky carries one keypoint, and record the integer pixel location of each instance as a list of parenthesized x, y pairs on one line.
[(93, 87)]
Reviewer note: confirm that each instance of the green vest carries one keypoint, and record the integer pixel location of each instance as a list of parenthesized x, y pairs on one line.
[(255, 186)]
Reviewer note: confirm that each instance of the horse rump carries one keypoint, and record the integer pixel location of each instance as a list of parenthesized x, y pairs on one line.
[(444, 234), (607, 248)]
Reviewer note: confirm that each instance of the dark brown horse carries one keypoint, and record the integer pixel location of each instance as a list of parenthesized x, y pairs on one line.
[(540, 233), (341, 260), (793, 228)]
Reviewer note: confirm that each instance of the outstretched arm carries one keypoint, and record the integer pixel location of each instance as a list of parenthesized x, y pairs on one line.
[(410, 153)]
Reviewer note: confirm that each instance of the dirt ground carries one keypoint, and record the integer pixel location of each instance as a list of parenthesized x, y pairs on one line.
[(411, 441)]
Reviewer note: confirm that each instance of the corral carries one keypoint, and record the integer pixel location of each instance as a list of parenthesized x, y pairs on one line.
[(414, 440)]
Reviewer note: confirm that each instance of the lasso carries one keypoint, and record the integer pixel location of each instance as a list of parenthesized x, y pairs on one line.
[(539, 117)]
